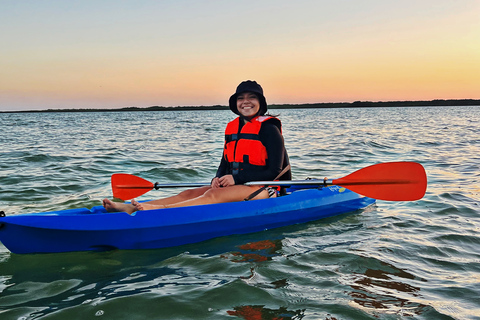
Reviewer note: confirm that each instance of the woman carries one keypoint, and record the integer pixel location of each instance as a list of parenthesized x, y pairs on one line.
[(254, 151)]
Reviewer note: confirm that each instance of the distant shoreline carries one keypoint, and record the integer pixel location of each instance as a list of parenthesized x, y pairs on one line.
[(356, 104)]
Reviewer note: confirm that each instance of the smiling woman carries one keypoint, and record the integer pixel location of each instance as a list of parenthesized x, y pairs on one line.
[(254, 151), (248, 104), (248, 100)]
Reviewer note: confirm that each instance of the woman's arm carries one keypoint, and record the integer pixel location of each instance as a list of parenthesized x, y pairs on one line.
[(223, 168)]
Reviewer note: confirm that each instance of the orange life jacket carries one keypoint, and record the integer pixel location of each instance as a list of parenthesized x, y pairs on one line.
[(243, 147)]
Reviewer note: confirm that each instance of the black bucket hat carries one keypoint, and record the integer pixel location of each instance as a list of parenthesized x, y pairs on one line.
[(248, 86)]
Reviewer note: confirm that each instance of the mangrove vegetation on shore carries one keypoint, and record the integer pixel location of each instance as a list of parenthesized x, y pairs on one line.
[(356, 104)]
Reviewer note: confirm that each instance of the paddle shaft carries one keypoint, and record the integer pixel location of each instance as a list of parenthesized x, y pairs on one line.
[(157, 185), (392, 181), (329, 182)]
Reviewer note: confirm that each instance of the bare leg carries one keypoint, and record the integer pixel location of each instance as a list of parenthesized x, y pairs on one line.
[(221, 195), (182, 196), (209, 196), (154, 204)]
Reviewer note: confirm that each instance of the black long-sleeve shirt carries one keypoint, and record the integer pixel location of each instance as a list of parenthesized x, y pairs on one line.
[(272, 139)]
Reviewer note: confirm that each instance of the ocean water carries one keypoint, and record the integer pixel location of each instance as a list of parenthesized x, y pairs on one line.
[(394, 260)]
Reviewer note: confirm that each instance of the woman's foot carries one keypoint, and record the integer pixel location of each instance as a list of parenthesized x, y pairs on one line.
[(118, 207)]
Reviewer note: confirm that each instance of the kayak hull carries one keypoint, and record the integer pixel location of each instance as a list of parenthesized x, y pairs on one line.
[(96, 229)]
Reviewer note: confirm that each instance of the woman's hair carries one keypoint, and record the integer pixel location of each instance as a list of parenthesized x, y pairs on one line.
[(249, 86)]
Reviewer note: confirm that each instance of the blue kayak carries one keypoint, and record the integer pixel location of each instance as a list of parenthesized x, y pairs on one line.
[(95, 229)]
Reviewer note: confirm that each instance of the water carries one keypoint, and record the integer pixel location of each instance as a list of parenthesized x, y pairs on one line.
[(395, 260)]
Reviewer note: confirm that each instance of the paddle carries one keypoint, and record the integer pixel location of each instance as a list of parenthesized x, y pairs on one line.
[(127, 186), (393, 181)]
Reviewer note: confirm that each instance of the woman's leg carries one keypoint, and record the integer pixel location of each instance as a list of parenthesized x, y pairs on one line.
[(160, 203), (217, 195), (182, 196)]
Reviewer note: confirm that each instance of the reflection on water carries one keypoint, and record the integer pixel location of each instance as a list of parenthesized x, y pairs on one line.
[(384, 291), (262, 313), (256, 251)]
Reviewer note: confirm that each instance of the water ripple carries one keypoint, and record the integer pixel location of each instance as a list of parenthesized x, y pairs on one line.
[(395, 260)]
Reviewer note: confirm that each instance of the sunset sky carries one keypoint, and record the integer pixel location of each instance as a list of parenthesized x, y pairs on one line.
[(111, 54)]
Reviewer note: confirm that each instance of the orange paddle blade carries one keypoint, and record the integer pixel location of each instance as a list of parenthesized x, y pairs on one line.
[(393, 181), (127, 186)]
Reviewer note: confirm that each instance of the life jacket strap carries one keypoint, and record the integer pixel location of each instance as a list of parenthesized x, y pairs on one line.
[(235, 168), (238, 136)]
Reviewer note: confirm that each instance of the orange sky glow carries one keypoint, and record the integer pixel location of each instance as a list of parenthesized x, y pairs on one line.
[(108, 54)]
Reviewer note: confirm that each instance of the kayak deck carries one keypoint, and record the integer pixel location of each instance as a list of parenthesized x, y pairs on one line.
[(95, 229)]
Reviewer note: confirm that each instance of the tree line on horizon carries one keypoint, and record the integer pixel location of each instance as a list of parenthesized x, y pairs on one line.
[(356, 104)]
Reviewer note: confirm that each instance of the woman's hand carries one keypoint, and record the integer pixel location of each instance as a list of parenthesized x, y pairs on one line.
[(226, 180), (215, 183)]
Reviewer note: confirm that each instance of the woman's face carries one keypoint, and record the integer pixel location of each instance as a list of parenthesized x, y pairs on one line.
[(248, 104)]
